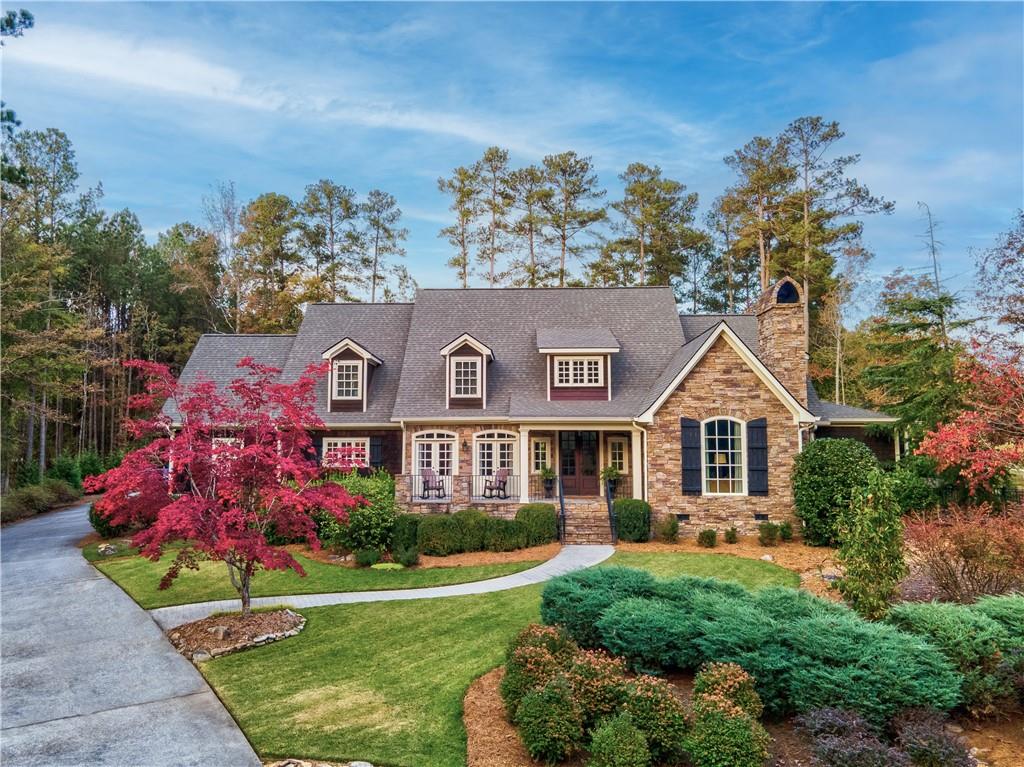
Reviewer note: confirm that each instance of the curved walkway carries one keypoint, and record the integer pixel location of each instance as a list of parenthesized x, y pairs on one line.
[(86, 677), (567, 560)]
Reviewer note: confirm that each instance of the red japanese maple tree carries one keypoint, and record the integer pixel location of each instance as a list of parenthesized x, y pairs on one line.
[(987, 441), (238, 468)]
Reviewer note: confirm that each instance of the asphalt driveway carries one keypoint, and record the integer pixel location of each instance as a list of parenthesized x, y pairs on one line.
[(86, 676)]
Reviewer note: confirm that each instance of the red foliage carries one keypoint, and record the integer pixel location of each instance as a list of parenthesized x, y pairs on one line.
[(987, 441), (240, 465)]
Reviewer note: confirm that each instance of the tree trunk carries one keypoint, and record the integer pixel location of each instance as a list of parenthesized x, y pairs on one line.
[(807, 265), (42, 435), (30, 441)]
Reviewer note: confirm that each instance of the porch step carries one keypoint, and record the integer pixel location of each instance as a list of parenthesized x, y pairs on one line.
[(587, 524)]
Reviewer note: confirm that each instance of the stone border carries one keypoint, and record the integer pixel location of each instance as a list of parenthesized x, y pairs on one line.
[(201, 656)]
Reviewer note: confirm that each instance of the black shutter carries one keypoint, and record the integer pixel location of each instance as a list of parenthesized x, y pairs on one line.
[(318, 449), (690, 435), (757, 457), (376, 452)]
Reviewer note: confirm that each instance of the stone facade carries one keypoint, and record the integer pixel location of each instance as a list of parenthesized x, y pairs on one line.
[(721, 385), (782, 341)]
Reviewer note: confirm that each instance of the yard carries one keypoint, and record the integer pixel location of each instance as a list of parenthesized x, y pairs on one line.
[(385, 682)]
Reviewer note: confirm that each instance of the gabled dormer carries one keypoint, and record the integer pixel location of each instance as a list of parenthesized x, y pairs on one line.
[(465, 372), (578, 362), (348, 383)]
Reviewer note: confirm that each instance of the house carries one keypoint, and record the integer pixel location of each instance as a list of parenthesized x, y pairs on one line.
[(467, 396)]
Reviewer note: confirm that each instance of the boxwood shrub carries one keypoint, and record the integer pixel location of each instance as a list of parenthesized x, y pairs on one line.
[(618, 743), (825, 476), (504, 534), (634, 519), (405, 532), (540, 521), (471, 525), (438, 535)]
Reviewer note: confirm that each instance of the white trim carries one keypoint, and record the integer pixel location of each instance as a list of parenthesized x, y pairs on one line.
[(800, 413), (858, 421), (637, 459), (466, 338), (580, 351), (360, 366), (625, 452), (550, 458), (584, 358), (436, 436), (742, 453), (478, 361), (364, 442), (495, 436), (348, 343)]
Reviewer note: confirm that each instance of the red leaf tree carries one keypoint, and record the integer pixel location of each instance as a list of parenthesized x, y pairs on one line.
[(985, 443), (238, 468)]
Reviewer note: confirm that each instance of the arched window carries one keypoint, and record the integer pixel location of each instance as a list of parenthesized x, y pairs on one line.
[(434, 450), (723, 468), (787, 294), (494, 450)]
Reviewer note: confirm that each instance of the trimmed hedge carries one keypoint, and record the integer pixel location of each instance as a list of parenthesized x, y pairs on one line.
[(618, 743), (504, 535), (405, 532), (804, 652), (540, 522), (438, 535), (825, 476), (471, 526), (634, 519)]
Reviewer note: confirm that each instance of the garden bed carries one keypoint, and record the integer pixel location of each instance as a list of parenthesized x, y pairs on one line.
[(219, 635), (469, 559)]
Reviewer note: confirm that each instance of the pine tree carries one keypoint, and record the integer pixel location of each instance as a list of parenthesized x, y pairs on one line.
[(273, 263), (732, 279), (530, 192), (328, 235), (383, 239), (495, 201), (464, 188), (571, 207)]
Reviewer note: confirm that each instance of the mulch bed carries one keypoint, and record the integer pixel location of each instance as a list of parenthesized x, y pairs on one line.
[(222, 634), (473, 558)]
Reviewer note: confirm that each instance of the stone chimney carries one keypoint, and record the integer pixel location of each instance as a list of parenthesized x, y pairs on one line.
[(782, 337)]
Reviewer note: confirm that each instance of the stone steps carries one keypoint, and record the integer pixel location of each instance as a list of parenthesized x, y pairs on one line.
[(587, 524)]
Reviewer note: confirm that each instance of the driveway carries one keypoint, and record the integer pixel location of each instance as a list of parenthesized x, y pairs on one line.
[(86, 676)]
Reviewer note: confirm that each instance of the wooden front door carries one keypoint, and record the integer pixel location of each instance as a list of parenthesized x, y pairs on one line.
[(577, 460)]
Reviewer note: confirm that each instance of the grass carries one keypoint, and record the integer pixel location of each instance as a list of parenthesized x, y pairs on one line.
[(384, 682), (140, 578)]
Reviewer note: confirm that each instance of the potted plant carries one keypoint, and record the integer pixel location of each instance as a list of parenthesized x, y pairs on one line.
[(547, 475), (610, 476)]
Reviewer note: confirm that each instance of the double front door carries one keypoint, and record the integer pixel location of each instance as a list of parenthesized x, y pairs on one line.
[(577, 462)]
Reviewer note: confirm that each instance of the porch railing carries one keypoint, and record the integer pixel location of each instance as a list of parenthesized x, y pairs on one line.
[(489, 487), (613, 522), (436, 489), (561, 512), (546, 491), (622, 487)]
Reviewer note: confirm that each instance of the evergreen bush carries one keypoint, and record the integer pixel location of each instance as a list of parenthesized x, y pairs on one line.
[(370, 525), (367, 557), (618, 743), (65, 468), (731, 682), (90, 464), (550, 723), (61, 491), (437, 535), (1007, 610), (786, 531), (409, 557), (666, 529), (103, 527), (504, 534), (598, 681), (540, 521), (825, 476), (24, 502), (659, 715), (707, 538), (768, 534), (633, 517), (576, 601), (732, 535), (405, 532), (471, 525), (721, 739)]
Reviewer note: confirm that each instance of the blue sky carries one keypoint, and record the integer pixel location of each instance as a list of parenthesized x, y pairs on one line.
[(163, 99)]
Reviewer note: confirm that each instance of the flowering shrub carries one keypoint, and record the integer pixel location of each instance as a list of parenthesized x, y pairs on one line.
[(723, 738), (550, 723), (659, 715), (970, 551), (618, 743), (731, 682), (535, 657), (598, 682)]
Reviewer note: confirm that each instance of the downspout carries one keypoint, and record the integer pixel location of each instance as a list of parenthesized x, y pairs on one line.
[(643, 457)]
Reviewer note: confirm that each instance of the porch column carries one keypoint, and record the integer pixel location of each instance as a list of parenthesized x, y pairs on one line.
[(524, 464), (637, 463)]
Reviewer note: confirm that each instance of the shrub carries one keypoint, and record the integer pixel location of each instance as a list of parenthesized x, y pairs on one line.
[(367, 557), (65, 468), (634, 519), (329, 530), (732, 535), (666, 529), (554, 638), (973, 643), (598, 682), (24, 502), (527, 670), (719, 739), (825, 475), (659, 715), (731, 682), (438, 535), (90, 464), (61, 491), (832, 722), (922, 736), (1008, 611), (409, 557), (768, 534), (871, 547), (113, 460), (550, 723), (618, 743), (471, 525), (864, 750), (913, 490), (540, 522), (650, 634), (576, 601), (970, 551), (102, 525), (406, 528), (504, 535), (27, 474), (707, 538), (370, 525), (786, 531)]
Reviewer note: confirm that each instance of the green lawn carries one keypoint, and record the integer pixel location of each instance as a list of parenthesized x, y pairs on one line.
[(140, 578), (384, 682)]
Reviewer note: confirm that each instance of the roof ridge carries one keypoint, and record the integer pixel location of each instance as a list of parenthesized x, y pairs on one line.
[(249, 335)]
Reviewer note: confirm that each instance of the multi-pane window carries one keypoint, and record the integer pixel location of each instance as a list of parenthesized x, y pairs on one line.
[(579, 371), (347, 380), (540, 455), (465, 377), (495, 450), (436, 451), (723, 457), (617, 455), (346, 452)]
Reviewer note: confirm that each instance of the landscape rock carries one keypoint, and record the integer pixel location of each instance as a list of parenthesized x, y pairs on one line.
[(767, 558), (219, 631), (106, 549), (201, 656), (359, 764)]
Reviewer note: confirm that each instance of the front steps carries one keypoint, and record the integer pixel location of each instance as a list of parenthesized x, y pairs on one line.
[(586, 522)]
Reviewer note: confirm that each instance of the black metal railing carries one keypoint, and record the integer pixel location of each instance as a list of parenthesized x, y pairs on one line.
[(613, 522), (492, 487), (544, 490), (620, 487), (561, 512), (426, 489)]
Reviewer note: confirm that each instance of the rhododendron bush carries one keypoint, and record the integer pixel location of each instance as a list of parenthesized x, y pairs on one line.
[(239, 467)]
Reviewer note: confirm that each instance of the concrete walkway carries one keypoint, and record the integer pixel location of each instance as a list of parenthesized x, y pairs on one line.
[(570, 558), (86, 676)]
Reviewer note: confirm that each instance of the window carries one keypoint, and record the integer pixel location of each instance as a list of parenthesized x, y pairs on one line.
[(495, 450), (723, 457), (465, 377), (617, 454), (579, 371), (540, 455), (346, 452), (348, 380), (435, 451)]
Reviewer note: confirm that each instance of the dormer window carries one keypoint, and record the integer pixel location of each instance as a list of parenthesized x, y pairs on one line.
[(348, 380), (465, 376), (465, 361), (352, 367), (579, 371)]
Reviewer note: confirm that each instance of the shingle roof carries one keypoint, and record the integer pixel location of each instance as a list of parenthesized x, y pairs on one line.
[(381, 329), (216, 357), (829, 410), (643, 320), (576, 338), (743, 325)]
